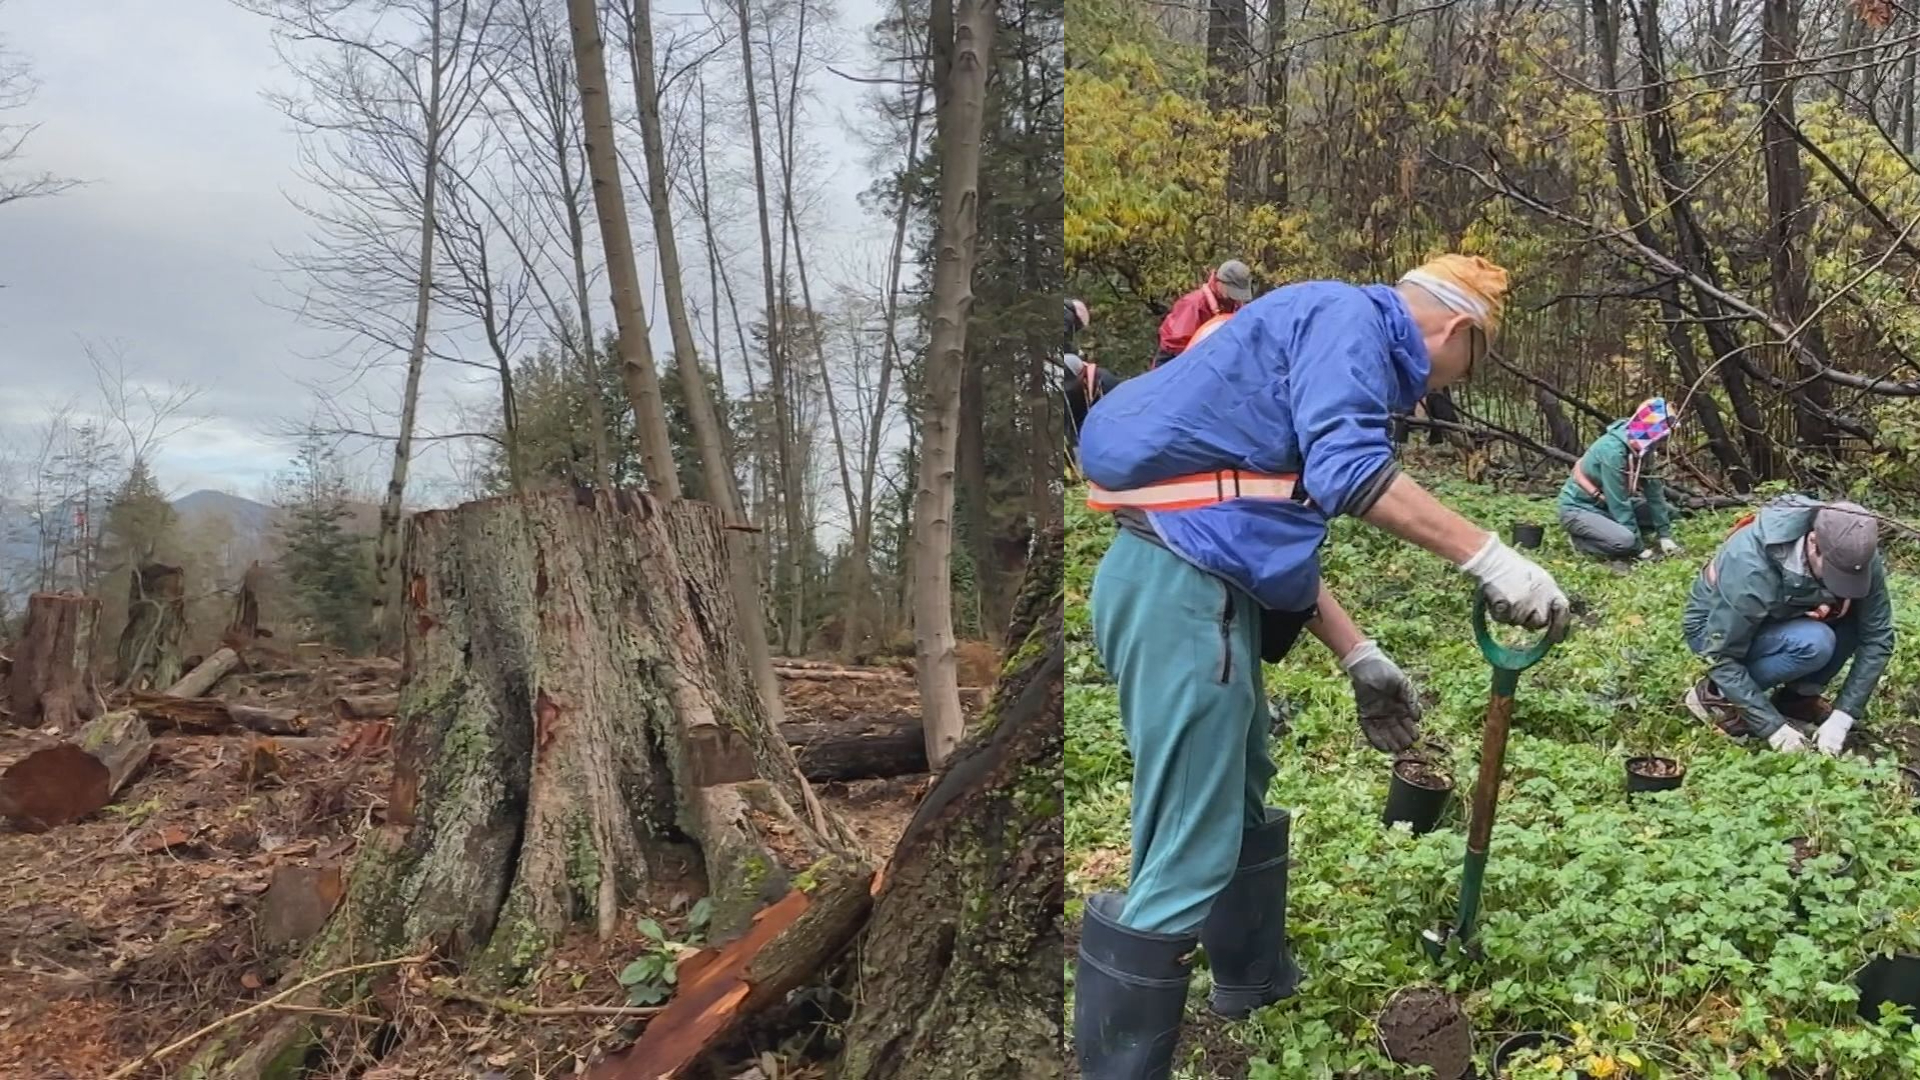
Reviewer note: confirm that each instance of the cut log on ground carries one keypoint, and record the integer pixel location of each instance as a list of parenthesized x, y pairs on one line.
[(212, 716), (960, 966), (786, 944), (49, 686), (841, 675), (148, 656), (579, 727), (202, 678), (73, 779), (366, 707), (859, 747)]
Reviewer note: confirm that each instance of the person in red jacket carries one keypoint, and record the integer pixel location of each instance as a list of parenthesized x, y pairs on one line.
[(1225, 290)]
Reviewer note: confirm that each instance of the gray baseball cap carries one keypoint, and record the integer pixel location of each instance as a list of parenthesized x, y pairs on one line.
[(1235, 280), (1848, 536)]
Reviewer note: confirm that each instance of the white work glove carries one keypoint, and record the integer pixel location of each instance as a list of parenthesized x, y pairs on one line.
[(1669, 546), (1832, 734), (1518, 591), (1646, 554), (1384, 696), (1787, 740)]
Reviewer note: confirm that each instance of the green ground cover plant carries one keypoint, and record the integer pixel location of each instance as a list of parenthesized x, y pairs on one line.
[(1662, 934)]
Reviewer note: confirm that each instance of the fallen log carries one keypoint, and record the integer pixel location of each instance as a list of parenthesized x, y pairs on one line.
[(48, 687), (718, 987), (860, 747), (366, 707), (842, 675), (201, 679), (73, 779), (212, 716)]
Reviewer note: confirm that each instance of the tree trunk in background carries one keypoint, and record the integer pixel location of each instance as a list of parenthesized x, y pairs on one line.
[(243, 627), (970, 480), (1228, 78), (1560, 430), (610, 205), (962, 43), (1787, 216), (775, 319), (148, 655), (716, 467), (50, 685), (386, 551), (960, 965), (1279, 68)]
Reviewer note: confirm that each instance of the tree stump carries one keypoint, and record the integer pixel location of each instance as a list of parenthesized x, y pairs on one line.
[(50, 684), (148, 656), (578, 708), (960, 966), (243, 626)]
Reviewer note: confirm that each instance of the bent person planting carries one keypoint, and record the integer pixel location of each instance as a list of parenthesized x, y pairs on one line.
[(1222, 476), (1615, 496)]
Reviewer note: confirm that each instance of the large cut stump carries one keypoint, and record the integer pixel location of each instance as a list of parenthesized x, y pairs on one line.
[(577, 701), (148, 657), (960, 966), (73, 779), (50, 684)]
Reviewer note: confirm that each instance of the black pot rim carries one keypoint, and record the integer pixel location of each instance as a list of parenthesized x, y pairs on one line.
[(1639, 758), (1846, 857), (1497, 1063), (1410, 782)]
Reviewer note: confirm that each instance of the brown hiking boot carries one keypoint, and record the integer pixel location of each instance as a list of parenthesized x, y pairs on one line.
[(1811, 710), (1705, 701)]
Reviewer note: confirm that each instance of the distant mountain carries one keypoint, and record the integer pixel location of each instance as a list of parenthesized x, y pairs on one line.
[(246, 516)]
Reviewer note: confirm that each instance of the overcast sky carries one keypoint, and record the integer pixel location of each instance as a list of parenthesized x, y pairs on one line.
[(169, 248)]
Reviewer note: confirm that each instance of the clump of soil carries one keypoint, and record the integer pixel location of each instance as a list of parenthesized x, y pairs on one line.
[(1422, 773), (1424, 1025), (1655, 767)]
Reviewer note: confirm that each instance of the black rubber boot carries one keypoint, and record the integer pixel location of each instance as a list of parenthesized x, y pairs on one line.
[(1245, 934), (1130, 991)]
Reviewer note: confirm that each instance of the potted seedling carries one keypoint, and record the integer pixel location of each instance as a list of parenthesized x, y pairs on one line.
[(1418, 789), (1892, 978), (1813, 853), (1538, 1055), (1528, 535), (1650, 773)]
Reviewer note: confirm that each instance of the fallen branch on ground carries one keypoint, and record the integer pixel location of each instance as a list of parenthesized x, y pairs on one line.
[(442, 989)]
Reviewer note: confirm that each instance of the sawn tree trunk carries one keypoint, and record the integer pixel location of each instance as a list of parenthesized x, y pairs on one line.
[(51, 663)]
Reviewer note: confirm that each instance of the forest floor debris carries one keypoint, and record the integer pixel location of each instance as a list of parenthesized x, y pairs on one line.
[(162, 913)]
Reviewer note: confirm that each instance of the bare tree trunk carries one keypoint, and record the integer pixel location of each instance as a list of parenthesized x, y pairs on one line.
[(149, 651), (962, 39), (50, 685), (716, 468), (1279, 68), (610, 204), (386, 552)]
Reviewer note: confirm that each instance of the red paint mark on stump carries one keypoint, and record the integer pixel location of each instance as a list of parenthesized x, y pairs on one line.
[(546, 722), (417, 591)]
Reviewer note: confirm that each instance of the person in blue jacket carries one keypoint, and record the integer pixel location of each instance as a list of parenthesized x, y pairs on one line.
[(1222, 472)]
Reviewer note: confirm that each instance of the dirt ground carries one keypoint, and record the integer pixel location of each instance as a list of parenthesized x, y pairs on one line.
[(131, 929)]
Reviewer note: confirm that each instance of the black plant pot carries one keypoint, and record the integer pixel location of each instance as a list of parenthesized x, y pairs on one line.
[(1893, 978), (1638, 781), (1792, 845), (1526, 1040), (1416, 801), (1527, 535), (1910, 780)]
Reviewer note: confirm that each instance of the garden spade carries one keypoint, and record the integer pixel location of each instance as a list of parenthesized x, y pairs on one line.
[(1507, 663)]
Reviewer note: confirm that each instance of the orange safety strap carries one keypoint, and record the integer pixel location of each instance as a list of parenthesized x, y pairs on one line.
[(1196, 490)]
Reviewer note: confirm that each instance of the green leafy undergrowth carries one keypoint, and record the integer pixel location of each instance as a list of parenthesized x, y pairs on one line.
[(1669, 925)]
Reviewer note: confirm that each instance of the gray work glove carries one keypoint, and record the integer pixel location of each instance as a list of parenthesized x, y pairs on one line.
[(1389, 709)]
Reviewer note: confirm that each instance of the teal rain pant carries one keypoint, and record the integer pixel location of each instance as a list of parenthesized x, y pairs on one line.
[(1184, 648)]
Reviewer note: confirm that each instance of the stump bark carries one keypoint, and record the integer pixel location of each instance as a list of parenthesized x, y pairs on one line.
[(243, 625), (67, 782), (577, 722), (960, 965), (148, 656), (50, 684)]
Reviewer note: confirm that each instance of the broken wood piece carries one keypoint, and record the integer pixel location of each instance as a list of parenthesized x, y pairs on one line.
[(298, 903), (262, 761), (366, 707), (48, 685), (783, 947), (212, 716), (201, 679), (73, 779), (792, 674), (860, 747)]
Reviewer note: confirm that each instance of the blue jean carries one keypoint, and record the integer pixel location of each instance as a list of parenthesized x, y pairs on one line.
[(1184, 649), (1801, 654)]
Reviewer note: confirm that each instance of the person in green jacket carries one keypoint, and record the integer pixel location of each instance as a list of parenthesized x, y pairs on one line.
[(1614, 494), (1794, 593)]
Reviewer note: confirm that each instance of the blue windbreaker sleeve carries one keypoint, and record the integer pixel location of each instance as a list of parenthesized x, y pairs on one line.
[(1341, 392)]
